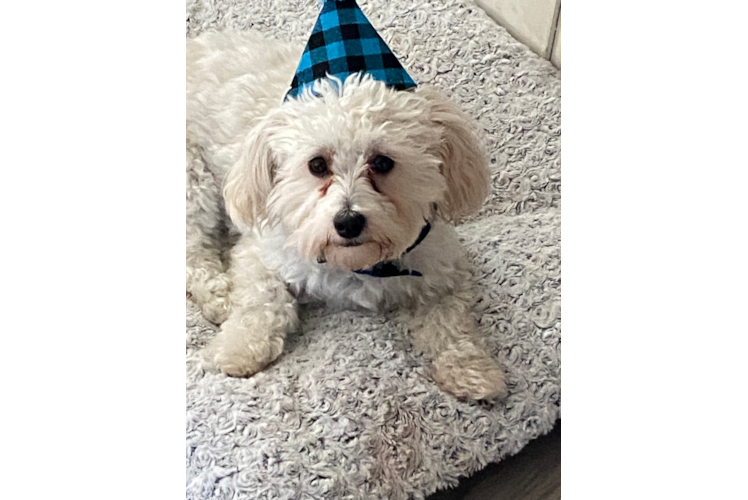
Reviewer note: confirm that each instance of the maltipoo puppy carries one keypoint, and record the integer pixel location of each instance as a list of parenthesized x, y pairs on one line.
[(345, 193)]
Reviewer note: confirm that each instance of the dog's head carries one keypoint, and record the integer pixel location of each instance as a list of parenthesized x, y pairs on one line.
[(354, 171)]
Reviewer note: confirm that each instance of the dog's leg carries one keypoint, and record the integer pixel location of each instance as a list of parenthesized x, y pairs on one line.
[(446, 330), (262, 312), (206, 280)]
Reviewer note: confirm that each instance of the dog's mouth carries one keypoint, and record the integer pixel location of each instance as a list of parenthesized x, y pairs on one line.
[(352, 243), (351, 255), (356, 242), (349, 242)]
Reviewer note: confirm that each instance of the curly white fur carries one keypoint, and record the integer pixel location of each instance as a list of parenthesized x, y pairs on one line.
[(241, 135)]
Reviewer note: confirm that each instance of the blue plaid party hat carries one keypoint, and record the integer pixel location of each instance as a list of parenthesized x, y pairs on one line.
[(344, 42)]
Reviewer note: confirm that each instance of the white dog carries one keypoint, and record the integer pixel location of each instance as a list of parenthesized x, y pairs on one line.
[(321, 191)]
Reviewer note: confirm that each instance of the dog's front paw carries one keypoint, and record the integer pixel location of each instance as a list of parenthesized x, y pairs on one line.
[(240, 355), (211, 292), (469, 374), (232, 362), (216, 309)]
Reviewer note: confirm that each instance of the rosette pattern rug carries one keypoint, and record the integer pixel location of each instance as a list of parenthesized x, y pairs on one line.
[(348, 411)]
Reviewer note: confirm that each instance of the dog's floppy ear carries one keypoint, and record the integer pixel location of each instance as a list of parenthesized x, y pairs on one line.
[(463, 161), (250, 180)]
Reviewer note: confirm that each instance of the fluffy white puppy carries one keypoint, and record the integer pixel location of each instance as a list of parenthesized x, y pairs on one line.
[(320, 190)]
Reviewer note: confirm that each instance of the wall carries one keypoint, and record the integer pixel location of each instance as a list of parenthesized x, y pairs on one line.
[(536, 23)]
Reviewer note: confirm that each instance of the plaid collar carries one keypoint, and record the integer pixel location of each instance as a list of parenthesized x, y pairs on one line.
[(390, 268), (344, 42)]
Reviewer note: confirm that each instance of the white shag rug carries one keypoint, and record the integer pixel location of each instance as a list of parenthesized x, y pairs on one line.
[(348, 411)]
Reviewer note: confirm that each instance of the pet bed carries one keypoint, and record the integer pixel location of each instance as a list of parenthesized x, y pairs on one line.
[(348, 411)]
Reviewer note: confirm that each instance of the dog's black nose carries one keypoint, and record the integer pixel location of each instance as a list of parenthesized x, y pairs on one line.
[(348, 223)]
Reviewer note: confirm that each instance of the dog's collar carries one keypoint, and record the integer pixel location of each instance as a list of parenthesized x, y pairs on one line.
[(389, 268)]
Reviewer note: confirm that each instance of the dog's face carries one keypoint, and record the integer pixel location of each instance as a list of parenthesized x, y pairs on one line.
[(354, 172)]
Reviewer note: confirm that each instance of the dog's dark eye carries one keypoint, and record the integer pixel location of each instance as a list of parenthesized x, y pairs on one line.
[(318, 166), (382, 164)]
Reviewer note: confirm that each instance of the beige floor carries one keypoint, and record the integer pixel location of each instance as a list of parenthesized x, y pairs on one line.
[(533, 474)]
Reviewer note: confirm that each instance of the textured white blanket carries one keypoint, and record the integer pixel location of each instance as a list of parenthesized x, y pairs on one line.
[(348, 412)]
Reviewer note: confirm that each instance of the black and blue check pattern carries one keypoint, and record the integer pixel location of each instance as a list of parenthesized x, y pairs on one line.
[(343, 42)]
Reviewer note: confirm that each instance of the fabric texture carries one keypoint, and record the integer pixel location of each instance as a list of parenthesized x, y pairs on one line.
[(348, 411), (344, 42)]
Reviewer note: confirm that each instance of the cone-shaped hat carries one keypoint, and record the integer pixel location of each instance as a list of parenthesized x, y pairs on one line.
[(344, 42)]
